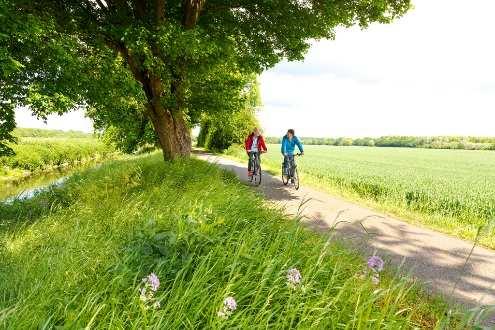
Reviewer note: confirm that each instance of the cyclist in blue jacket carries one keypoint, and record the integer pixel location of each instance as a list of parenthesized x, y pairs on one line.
[(289, 143)]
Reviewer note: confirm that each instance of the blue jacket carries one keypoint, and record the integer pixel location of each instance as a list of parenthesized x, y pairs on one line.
[(288, 146)]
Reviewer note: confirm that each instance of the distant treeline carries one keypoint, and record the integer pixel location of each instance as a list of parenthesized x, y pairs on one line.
[(434, 142), (49, 133)]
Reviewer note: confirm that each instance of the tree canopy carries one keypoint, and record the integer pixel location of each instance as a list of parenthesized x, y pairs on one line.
[(157, 63)]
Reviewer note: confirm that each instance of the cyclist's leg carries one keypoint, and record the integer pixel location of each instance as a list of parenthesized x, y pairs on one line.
[(285, 164), (291, 162), (254, 163), (250, 162)]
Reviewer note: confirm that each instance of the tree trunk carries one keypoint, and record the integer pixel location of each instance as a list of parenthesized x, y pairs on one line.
[(169, 124), (172, 131)]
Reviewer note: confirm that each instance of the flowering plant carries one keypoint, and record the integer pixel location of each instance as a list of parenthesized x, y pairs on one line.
[(150, 283), (229, 306), (294, 278), (375, 264)]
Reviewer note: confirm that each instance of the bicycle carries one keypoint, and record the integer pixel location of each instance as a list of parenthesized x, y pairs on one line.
[(256, 167), (290, 173)]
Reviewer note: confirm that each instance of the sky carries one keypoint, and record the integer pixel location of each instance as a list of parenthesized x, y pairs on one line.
[(430, 73), (74, 120)]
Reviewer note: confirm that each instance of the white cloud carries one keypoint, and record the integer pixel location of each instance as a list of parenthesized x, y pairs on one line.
[(430, 73)]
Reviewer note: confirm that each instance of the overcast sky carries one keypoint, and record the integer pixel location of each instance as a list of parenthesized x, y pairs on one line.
[(430, 73)]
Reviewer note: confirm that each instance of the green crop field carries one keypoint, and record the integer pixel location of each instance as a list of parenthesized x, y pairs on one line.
[(449, 190), (74, 257)]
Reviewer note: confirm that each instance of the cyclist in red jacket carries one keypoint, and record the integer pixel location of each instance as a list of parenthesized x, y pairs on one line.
[(255, 145)]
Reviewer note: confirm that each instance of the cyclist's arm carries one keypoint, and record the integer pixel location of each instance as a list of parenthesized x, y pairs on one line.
[(299, 146), (282, 148), (262, 144)]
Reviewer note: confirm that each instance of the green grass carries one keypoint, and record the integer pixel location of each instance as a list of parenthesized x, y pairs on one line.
[(74, 257), (36, 154), (452, 191)]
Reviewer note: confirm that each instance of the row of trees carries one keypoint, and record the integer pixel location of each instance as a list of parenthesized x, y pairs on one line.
[(219, 131), (434, 142), (152, 69)]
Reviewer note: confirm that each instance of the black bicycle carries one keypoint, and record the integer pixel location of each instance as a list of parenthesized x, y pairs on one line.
[(256, 167), (290, 173)]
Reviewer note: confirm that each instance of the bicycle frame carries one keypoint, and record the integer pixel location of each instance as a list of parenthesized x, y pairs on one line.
[(255, 168), (291, 171), (291, 165)]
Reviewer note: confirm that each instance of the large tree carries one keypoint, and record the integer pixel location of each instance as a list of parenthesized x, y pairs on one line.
[(156, 58)]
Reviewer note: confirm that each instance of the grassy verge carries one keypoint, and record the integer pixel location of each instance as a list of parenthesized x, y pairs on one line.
[(39, 154), (74, 257), (434, 195)]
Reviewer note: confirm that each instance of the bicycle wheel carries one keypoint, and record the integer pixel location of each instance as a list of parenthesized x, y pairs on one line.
[(250, 178), (296, 179), (285, 178), (257, 175)]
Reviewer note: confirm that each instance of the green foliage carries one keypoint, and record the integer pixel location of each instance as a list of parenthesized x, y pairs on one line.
[(217, 240), (219, 131), (130, 62), (131, 138), (275, 140), (7, 125), (203, 133), (365, 142), (442, 189)]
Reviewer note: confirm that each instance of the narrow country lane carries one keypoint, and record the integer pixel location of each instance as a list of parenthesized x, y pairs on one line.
[(436, 259)]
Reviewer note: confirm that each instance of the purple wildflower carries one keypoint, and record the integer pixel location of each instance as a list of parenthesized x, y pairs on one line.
[(294, 277), (376, 263), (229, 306), (153, 281)]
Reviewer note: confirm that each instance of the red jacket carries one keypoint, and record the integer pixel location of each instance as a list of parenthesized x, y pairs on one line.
[(249, 142)]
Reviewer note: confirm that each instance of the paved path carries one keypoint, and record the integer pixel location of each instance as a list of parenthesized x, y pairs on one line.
[(434, 258)]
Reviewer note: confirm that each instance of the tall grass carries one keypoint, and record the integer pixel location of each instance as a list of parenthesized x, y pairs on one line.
[(74, 257), (448, 190)]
